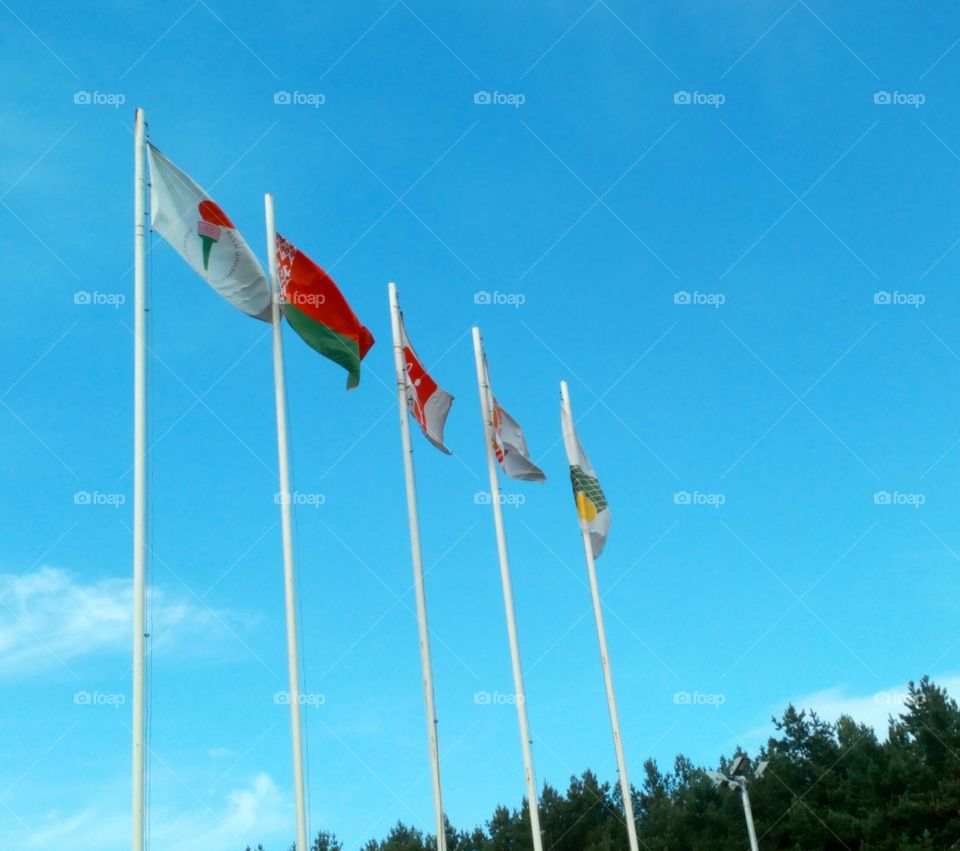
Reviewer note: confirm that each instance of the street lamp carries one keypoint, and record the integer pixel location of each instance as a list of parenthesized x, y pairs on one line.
[(738, 780)]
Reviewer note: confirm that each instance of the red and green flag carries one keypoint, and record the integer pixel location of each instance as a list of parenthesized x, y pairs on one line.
[(318, 312)]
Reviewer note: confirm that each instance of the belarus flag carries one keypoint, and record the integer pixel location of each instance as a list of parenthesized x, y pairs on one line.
[(319, 313), (428, 403)]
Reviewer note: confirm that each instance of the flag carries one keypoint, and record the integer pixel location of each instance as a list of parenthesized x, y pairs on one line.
[(202, 234), (319, 313), (428, 402), (509, 444), (592, 505), (510, 447)]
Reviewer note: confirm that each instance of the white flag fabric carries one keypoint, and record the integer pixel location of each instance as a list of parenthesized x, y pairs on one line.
[(510, 447), (592, 508), (427, 401), (200, 232)]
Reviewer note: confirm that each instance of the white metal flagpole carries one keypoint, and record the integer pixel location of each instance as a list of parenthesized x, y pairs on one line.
[(605, 660), (414, 522), (486, 408), (289, 585), (139, 476)]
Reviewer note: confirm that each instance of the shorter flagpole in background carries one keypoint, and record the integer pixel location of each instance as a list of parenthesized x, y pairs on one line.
[(399, 360), (570, 437), (289, 584), (486, 408)]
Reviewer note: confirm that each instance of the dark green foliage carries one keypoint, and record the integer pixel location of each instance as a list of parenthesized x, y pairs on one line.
[(827, 787)]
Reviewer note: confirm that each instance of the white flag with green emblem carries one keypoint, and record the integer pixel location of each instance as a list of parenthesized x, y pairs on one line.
[(592, 505), (202, 234)]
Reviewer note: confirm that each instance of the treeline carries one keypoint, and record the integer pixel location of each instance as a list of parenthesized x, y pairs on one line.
[(826, 787)]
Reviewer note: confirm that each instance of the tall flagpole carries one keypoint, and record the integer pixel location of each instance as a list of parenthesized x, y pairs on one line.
[(605, 659), (139, 476), (486, 408), (414, 521), (289, 585)]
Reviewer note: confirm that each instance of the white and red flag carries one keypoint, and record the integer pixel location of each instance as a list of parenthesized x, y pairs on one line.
[(510, 446), (427, 401)]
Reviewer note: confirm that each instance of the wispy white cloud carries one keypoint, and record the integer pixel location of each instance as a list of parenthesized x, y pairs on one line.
[(873, 709), (52, 617), (257, 811)]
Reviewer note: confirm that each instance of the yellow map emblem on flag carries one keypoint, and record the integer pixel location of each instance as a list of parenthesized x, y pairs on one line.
[(586, 507)]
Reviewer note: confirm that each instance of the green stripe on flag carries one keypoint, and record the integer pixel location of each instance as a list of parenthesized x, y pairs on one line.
[(339, 348)]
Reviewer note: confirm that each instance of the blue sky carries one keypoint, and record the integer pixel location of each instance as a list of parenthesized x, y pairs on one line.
[(731, 229)]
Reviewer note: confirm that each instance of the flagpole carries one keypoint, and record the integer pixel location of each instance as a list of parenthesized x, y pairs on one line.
[(605, 659), (426, 664), (283, 453), (521, 700), (139, 476)]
